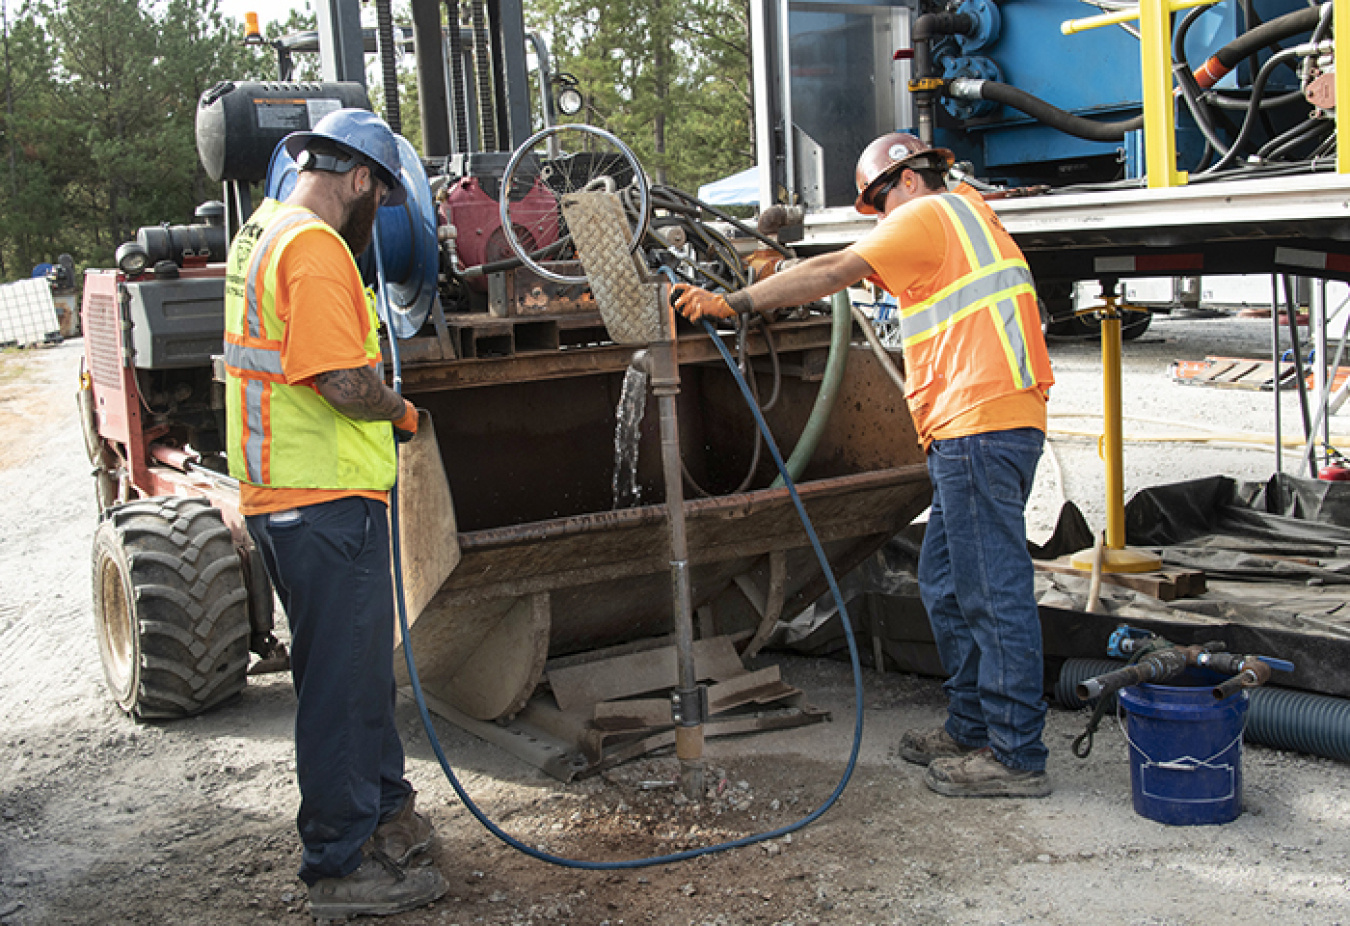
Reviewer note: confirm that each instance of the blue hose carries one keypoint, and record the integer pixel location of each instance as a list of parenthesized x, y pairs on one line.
[(539, 854), (1281, 718)]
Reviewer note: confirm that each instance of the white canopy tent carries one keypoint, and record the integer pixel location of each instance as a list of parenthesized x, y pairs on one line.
[(740, 189)]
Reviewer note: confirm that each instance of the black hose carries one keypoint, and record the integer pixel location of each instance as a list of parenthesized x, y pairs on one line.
[(1251, 41), (1258, 88), (384, 19), (511, 263), (1191, 93), (729, 219), (1288, 141), (1225, 101), (1042, 111)]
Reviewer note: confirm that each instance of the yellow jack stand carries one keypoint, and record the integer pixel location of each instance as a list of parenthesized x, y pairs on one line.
[(1115, 556)]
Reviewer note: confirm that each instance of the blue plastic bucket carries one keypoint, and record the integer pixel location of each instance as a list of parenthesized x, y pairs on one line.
[(1185, 750)]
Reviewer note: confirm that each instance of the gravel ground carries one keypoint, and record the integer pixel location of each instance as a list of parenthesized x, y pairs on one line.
[(104, 821)]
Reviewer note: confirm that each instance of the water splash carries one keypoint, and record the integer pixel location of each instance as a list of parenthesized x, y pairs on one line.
[(627, 430)]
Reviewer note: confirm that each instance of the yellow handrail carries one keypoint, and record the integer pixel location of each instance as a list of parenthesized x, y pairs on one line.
[(1073, 26), (1155, 52)]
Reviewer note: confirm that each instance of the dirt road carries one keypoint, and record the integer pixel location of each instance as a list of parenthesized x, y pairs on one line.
[(103, 821)]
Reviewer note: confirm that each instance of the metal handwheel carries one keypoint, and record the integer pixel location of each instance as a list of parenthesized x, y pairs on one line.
[(535, 234)]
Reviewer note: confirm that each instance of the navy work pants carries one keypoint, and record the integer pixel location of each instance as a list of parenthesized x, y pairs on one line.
[(977, 581), (330, 566)]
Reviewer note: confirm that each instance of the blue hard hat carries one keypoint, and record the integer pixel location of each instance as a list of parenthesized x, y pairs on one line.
[(364, 133)]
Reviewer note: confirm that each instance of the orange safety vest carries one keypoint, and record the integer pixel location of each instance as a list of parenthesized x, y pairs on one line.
[(976, 335), (278, 434)]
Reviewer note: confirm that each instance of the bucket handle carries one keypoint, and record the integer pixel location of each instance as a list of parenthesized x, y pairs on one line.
[(1186, 763)]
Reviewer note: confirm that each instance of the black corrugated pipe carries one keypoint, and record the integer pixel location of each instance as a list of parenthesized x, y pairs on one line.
[(1066, 122), (1278, 717), (926, 27), (384, 21), (1251, 41)]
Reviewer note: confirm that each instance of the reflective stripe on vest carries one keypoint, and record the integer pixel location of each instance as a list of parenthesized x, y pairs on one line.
[(993, 284), (319, 447)]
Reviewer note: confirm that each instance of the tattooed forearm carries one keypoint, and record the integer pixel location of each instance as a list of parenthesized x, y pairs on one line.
[(360, 394)]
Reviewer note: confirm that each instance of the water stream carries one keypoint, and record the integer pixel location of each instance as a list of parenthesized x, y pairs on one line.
[(627, 430)]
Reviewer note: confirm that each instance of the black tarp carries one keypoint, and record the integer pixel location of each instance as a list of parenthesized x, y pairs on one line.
[(1276, 556)]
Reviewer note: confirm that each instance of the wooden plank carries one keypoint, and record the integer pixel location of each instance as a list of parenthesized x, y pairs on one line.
[(1167, 584), (764, 686), (581, 686), (1236, 371)]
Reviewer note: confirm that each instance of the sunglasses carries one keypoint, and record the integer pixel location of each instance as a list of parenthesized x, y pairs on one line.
[(878, 198)]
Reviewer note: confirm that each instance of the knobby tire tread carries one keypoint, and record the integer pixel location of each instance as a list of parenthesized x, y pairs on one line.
[(189, 601)]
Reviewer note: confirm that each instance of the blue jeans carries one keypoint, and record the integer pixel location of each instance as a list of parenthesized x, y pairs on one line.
[(330, 566), (976, 580)]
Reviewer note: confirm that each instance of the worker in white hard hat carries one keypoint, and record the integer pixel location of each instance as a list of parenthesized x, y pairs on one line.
[(977, 376)]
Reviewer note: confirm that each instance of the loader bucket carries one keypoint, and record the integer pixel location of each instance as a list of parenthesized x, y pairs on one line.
[(549, 568)]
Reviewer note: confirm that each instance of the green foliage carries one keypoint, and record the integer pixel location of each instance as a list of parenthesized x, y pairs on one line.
[(98, 104), (100, 100), (672, 80)]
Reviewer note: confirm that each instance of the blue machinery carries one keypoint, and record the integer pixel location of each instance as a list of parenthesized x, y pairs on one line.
[(1062, 90)]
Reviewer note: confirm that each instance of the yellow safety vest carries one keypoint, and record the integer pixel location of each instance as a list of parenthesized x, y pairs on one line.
[(976, 336), (278, 434)]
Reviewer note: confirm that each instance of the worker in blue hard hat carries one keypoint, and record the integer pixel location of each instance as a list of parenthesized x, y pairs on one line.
[(977, 375), (310, 430)]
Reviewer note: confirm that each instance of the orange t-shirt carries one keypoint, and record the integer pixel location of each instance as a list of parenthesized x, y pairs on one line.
[(322, 302), (906, 251)]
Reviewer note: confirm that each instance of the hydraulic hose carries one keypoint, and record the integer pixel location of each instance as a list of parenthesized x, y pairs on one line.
[(1205, 77), (840, 335), (1310, 130), (964, 88), (1251, 41), (1249, 123), (1190, 90), (425, 714), (1281, 718)]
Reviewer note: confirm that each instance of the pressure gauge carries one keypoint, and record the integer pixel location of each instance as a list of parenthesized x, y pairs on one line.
[(132, 259)]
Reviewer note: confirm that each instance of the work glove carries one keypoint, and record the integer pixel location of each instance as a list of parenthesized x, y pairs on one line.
[(695, 303), (405, 428)]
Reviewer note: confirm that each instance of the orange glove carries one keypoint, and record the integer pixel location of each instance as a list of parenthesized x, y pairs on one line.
[(405, 428), (695, 303)]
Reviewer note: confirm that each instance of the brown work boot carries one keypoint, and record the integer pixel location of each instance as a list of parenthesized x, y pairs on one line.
[(403, 835), (979, 774), (923, 746), (378, 888)]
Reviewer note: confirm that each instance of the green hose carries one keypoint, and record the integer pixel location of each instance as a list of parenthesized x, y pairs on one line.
[(840, 335)]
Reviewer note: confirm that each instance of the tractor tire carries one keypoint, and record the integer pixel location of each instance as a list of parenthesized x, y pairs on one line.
[(170, 608)]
